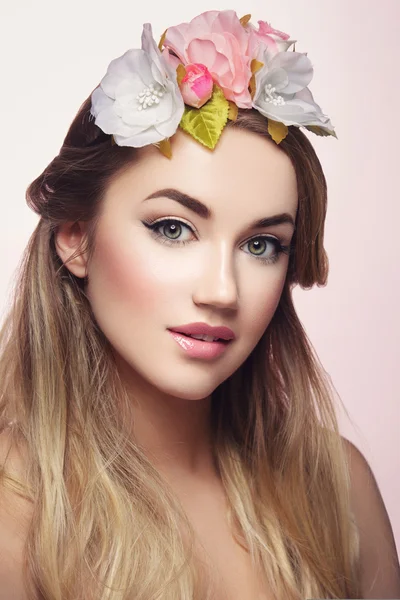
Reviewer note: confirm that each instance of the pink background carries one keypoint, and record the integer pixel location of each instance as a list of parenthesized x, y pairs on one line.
[(54, 54)]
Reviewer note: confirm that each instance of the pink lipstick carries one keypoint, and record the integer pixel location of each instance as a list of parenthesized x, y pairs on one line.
[(215, 342)]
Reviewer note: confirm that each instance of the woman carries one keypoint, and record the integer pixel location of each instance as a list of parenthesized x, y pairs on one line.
[(167, 430)]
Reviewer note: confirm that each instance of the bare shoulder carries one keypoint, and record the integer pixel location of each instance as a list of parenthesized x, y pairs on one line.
[(15, 516), (380, 570)]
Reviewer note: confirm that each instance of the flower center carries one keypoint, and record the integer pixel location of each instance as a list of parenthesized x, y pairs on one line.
[(272, 97), (149, 96)]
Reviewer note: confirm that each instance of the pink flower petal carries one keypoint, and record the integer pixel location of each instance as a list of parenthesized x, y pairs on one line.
[(201, 51)]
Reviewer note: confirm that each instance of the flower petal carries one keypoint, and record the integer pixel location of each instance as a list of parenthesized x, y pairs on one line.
[(175, 40), (111, 123), (132, 86), (298, 67), (168, 128), (144, 138), (170, 60), (100, 101), (149, 45), (133, 61), (294, 112), (278, 78), (202, 51)]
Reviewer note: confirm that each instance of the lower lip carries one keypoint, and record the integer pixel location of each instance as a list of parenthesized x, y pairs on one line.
[(199, 348)]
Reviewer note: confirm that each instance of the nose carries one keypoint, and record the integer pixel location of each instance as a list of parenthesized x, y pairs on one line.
[(217, 284)]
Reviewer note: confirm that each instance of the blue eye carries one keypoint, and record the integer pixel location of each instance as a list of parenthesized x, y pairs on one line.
[(171, 230)]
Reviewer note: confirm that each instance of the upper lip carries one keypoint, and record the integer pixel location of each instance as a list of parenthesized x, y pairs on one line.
[(204, 329)]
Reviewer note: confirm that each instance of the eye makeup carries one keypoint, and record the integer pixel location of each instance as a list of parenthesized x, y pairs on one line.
[(177, 226)]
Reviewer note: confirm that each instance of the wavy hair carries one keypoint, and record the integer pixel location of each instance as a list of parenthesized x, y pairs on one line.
[(105, 525)]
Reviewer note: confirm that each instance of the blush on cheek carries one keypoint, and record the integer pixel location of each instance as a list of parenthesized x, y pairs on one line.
[(118, 280), (265, 309)]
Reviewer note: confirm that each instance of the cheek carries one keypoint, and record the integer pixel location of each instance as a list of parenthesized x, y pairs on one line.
[(120, 279), (262, 301)]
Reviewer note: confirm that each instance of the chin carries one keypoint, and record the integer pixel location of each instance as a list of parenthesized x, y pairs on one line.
[(190, 392), (190, 387)]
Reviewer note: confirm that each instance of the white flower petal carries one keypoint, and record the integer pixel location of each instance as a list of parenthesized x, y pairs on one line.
[(135, 118), (146, 137), (111, 123), (295, 112), (127, 77), (131, 86), (157, 75), (100, 101), (108, 120), (168, 128), (132, 62), (149, 45), (297, 67), (306, 95), (277, 77), (284, 45)]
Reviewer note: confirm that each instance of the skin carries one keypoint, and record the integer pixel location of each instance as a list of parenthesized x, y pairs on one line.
[(138, 286)]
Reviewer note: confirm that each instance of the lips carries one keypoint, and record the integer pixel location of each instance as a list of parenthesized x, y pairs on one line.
[(197, 349), (221, 332)]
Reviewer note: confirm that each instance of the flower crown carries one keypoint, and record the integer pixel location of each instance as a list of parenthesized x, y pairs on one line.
[(198, 76)]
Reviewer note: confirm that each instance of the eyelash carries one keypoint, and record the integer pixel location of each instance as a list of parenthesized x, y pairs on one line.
[(154, 225)]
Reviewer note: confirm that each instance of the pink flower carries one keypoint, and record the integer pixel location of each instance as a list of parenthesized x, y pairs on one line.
[(267, 37), (218, 40), (197, 85)]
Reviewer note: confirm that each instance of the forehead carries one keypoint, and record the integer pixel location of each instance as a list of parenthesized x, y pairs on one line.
[(244, 174)]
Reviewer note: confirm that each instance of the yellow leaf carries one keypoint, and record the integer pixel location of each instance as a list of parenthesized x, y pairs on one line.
[(244, 20), (165, 148), (180, 73), (278, 131), (162, 40), (252, 85), (206, 124), (233, 111), (255, 65)]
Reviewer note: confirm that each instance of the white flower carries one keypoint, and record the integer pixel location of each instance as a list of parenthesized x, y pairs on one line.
[(139, 101), (282, 93)]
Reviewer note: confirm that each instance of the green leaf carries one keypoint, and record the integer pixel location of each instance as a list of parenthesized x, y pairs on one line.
[(206, 124), (320, 130)]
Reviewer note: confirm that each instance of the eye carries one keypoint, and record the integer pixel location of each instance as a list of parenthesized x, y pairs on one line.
[(260, 245), (168, 230)]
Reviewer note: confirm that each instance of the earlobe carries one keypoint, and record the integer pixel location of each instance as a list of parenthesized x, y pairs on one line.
[(69, 240)]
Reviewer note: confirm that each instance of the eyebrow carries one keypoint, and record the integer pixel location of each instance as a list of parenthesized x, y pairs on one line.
[(203, 211)]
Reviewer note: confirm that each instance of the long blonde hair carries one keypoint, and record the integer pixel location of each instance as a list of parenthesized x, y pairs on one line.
[(105, 524)]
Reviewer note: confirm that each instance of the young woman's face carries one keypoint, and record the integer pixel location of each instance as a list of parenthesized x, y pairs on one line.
[(160, 263)]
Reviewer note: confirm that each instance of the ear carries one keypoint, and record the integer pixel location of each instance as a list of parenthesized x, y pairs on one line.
[(69, 239)]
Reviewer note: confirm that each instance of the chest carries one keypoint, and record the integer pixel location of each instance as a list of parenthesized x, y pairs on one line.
[(229, 568), (227, 564)]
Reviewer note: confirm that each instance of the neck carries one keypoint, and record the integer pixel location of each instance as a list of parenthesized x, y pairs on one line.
[(174, 433)]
